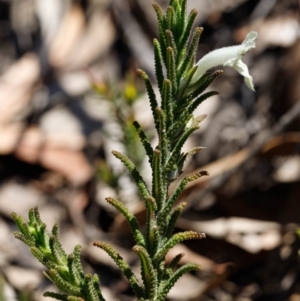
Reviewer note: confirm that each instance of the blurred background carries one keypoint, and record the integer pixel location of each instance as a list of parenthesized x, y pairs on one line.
[(68, 96)]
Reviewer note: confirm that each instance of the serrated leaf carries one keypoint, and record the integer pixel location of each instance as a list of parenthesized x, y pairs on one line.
[(176, 239), (148, 272), (131, 219), (145, 141), (158, 64), (62, 284), (123, 266), (135, 174), (190, 56), (173, 219), (151, 95), (166, 287), (57, 296), (175, 195)]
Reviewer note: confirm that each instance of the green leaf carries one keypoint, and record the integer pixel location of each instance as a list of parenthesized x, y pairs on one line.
[(187, 32), (199, 86), (123, 266), (92, 292), (57, 296), (43, 258), (158, 64), (132, 221), (135, 174), (151, 95), (164, 290), (149, 274), (175, 195), (173, 219), (28, 241), (171, 68), (162, 27), (146, 143), (190, 57), (176, 239), (74, 273), (77, 266), (170, 18), (163, 139), (65, 286), (166, 103), (57, 251)]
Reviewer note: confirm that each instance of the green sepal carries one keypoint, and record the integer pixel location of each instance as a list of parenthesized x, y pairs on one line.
[(57, 296), (145, 141), (190, 57), (158, 64), (193, 106), (173, 219), (185, 81), (149, 274), (135, 174), (123, 266), (62, 284), (166, 287), (151, 95), (174, 240), (200, 85), (171, 68), (131, 219)]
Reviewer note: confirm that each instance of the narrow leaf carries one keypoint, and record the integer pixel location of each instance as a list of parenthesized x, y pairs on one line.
[(151, 95), (123, 266), (132, 221), (176, 239), (172, 222), (164, 290), (158, 64), (146, 143), (190, 57), (57, 296), (175, 195), (135, 174), (148, 272)]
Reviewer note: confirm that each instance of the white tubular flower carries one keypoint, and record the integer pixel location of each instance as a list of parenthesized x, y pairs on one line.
[(228, 56)]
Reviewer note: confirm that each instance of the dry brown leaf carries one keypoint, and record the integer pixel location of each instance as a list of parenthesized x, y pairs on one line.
[(16, 86), (67, 37)]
